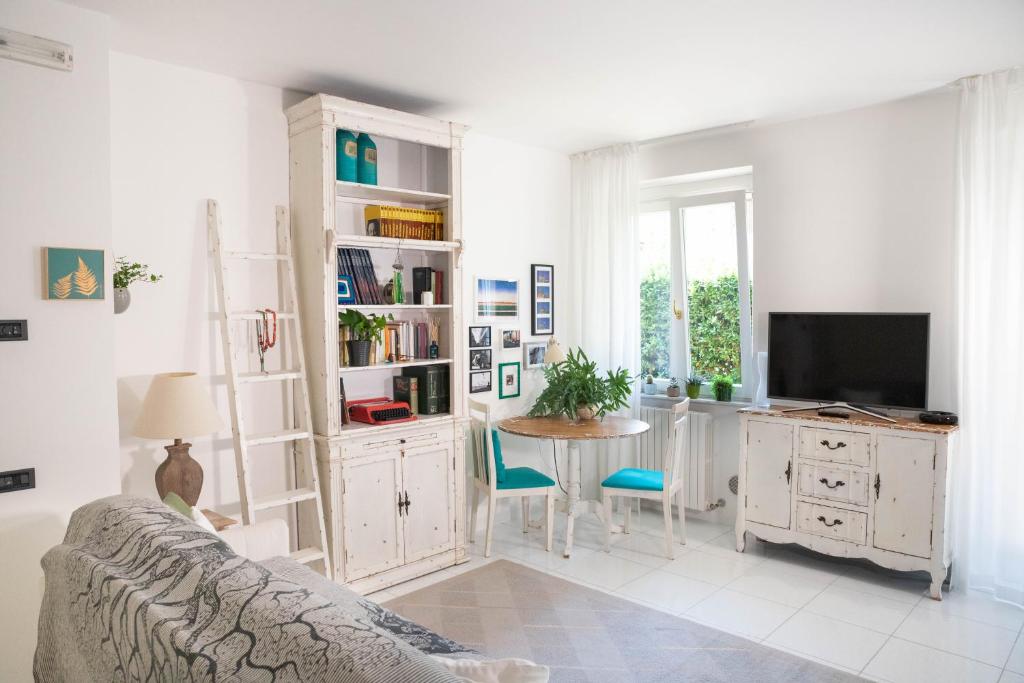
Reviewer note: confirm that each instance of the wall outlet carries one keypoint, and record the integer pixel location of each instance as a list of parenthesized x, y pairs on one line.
[(13, 330), (17, 480)]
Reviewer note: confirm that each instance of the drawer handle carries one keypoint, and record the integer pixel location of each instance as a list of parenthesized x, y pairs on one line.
[(836, 485), (835, 522), (826, 444)]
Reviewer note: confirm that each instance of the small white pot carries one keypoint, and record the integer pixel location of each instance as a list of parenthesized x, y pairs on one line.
[(122, 300)]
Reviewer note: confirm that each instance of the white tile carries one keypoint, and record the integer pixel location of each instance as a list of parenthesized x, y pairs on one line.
[(895, 588), (1011, 677), (863, 609), (725, 545), (804, 655), (985, 643), (666, 592), (741, 614), (646, 549), (827, 639), (603, 569), (711, 567), (978, 606), (902, 662), (1016, 661), (786, 584)]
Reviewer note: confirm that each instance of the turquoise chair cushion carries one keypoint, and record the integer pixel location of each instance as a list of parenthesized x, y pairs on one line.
[(637, 480), (499, 463), (524, 478)]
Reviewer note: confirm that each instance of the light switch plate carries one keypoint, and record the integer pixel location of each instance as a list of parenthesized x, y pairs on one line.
[(13, 330)]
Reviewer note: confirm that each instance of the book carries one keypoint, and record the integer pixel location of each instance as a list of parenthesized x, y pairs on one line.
[(433, 395), (403, 222), (407, 389)]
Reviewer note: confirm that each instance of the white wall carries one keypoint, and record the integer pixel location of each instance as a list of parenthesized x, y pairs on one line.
[(516, 212), (852, 212), (178, 137), (58, 409)]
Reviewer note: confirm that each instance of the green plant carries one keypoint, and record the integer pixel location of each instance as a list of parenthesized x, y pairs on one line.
[(574, 383), (365, 328), (128, 272), (721, 386), (694, 381)]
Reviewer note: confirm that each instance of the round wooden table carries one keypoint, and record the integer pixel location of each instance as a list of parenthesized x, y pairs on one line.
[(563, 429)]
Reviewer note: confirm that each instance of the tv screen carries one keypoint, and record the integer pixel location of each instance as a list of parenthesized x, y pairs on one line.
[(872, 359)]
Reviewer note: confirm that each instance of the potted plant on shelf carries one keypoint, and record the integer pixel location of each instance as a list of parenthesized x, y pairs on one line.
[(693, 385), (576, 391), (721, 386), (649, 386), (672, 390), (365, 330), (125, 274)]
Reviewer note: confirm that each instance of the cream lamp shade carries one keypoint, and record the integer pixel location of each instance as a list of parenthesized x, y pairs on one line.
[(177, 406), (554, 353)]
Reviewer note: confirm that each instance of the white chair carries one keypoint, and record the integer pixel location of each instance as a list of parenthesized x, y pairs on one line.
[(496, 481), (653, 484)]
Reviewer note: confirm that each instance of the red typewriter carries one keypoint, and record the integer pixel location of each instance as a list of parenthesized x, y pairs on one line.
[(380, 411)]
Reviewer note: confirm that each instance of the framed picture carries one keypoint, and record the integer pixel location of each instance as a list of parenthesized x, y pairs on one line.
[(73, 273), (496, 299), (479, 336), (510, 339), (480, 359), (346, 290), (542, 298), (508, 380), (533, 355), (479, 382)]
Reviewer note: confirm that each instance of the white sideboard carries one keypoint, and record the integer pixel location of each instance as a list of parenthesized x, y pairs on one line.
[(858, 487)]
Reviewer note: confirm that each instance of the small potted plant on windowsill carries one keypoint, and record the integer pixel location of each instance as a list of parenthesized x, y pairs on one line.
[(365, 330), (672, 390), (125, 274), (650, 388), (721, 387), (693, 385), (576, 391)]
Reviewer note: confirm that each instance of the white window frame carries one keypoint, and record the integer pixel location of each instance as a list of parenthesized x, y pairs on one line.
[(679, 363)]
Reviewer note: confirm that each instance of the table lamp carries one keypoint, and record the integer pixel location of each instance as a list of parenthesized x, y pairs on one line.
[(553, 353), (178, 406)]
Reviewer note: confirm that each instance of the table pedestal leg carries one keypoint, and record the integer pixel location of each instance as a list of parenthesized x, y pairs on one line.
[(573, 489)]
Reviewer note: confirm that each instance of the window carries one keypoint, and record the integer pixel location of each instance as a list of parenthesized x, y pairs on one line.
[(695, 288)]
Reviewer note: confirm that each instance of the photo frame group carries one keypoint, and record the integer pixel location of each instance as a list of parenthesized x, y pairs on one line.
[(542, 299), (480, 359)]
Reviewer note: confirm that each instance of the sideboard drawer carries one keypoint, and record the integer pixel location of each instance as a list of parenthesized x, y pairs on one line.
[(396, 440), (830, 522), (835, 445), (834, 482)]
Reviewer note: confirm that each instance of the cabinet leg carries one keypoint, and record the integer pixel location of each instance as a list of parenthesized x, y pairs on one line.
[(935, 591), (741, 540)]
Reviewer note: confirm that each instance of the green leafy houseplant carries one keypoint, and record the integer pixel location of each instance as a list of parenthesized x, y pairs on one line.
[(672, 389), (576, 391), (126, 273), (721, 385), (693, 385), (365, 330)]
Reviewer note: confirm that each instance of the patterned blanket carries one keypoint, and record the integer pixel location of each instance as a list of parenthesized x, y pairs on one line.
[(139, 593)]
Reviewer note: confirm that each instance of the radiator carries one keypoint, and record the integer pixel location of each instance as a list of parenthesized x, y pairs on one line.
[(699, 465)]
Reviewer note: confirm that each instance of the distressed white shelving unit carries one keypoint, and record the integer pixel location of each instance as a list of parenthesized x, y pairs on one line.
[(394, 495)]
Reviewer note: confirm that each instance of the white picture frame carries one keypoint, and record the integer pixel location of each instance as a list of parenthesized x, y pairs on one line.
[(495, 299), (533, 355)]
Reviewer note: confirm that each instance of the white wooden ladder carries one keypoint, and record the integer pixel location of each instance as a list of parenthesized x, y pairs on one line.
[(301, 432)]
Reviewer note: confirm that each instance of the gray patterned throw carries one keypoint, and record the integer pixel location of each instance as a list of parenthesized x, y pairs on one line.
[(139, 593)]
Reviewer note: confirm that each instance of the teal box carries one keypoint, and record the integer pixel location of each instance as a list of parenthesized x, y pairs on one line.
[(367, 166), (347, 151)]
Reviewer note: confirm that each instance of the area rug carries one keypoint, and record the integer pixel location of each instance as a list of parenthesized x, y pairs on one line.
[(504, 609)]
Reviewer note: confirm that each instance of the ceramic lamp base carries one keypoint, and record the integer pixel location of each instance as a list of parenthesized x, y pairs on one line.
[(179, 473)]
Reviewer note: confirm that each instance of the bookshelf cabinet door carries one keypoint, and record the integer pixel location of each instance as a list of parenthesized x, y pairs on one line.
[(428, 476), (370, 514)]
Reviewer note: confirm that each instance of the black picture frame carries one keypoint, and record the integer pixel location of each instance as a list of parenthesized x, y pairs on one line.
[(480, 359), (485, 341), (480, 388), (542, 299)]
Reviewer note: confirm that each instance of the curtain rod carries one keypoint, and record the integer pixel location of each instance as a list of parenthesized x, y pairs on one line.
[(694, 134)]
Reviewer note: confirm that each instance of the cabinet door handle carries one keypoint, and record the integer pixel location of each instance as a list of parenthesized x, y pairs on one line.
[(400, 503), (836, 485), (835, 522), (878, 484), (828, 445), (406, 503), (789, 471)]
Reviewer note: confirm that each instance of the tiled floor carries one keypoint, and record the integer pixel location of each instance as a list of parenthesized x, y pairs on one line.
[(874, 623)]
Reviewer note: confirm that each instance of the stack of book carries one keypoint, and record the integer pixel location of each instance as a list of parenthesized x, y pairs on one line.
[(409, 224), (357, 264), (427, 280), (407, 340), (426, 387)]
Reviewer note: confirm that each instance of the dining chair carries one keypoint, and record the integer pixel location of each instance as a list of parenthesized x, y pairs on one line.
[(497, 481), (660, 485)]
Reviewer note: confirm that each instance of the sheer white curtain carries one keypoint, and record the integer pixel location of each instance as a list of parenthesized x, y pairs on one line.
[(603, 245), (989, 472)]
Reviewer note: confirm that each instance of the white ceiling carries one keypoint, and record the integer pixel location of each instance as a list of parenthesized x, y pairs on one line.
[(577, 74)]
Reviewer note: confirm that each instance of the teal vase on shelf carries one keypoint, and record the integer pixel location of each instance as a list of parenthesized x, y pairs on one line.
[(347, 150), (367, 166)]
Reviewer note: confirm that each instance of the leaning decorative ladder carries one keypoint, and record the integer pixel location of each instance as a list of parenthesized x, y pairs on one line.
[(295, 371)]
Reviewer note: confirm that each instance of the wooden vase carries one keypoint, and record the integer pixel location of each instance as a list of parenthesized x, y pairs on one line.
[(179, 473)]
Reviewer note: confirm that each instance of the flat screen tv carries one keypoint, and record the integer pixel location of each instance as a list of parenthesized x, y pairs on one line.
[(862, 359)]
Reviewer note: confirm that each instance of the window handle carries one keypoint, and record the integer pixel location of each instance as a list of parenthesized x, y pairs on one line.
[(676, 311)]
